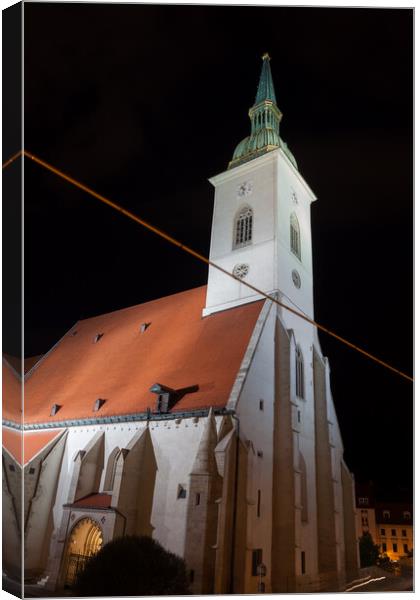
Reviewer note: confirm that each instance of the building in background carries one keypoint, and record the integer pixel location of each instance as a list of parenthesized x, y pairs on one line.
[(203, 419)]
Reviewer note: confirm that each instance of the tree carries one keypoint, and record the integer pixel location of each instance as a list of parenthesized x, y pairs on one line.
[(133, 566), (369, 552)]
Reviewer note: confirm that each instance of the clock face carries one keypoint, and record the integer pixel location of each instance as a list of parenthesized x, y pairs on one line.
[(296, 278), (245, 189)]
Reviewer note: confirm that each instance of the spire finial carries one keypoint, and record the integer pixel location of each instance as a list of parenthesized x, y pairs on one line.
[(265, 87)]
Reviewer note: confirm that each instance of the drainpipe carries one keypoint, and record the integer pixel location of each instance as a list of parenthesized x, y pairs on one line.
[(235, 502)]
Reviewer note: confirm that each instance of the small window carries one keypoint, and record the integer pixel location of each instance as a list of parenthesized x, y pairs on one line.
[(394, 548), (259, 503), (295, 236), (382, 531), (243, 227), (12, 468), (393, 532), (31, 470), (383, 547), (303, 562), (197, 499), (298, 416), (97, 337), (363, 501), (54, 409), (386, 514), (182, 491), (260, 454), (406, 515), (261, 404), (144, 326), (404, 533), (405, 548), (256, 560)]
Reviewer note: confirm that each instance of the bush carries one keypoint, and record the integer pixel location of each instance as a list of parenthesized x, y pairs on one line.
[(133, 566), (369, 552)]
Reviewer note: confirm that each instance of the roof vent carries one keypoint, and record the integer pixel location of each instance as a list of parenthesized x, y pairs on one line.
[(168, 397), (97, 337), (98, 403), (54, 409), (144, 326)]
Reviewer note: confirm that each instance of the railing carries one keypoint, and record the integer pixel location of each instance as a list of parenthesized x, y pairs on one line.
[(75, 565)]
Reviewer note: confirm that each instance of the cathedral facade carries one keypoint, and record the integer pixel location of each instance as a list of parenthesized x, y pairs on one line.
[(203, 419)]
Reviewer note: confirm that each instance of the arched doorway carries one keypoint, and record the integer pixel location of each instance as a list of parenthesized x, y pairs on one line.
[(84, 541)]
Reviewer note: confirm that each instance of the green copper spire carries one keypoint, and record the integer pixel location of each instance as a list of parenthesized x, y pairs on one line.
[(266, 86), (265, 119)]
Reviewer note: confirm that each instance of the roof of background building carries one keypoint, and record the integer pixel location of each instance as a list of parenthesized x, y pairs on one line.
[(109, 357), (34, 442), (399, 513)]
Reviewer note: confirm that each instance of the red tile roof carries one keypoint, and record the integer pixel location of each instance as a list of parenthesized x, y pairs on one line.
[(94, 501), (34, 442), (11, 392), (179, 349)]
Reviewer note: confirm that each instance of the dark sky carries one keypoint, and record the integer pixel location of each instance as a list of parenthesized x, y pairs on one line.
[(145, 103)]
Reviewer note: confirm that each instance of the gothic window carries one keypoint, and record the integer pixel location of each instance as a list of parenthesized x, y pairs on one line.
[(300, 390), (243, 227), (303, 488), (110, 470), (295, 236)]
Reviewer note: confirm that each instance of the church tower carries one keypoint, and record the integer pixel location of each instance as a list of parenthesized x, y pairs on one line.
[(261, 229)]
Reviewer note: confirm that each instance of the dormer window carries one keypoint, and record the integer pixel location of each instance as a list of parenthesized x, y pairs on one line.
[(144, 326), (243, 227), (386, 514), (98, 403), (406, 515), (54, 409), (97, 337)]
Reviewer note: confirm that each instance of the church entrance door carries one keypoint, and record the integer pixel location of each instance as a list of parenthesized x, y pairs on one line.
[(84, 541)]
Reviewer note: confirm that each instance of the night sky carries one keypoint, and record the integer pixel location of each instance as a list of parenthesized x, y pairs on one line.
[(145, 103)]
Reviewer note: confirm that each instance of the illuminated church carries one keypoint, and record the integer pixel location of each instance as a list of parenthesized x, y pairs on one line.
[(203, 419)]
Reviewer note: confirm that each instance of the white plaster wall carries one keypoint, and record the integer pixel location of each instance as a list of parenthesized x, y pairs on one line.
[(256, 426), (175, 445)]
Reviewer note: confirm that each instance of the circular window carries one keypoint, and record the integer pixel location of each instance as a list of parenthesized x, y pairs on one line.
[(241, 270), (296, 278)]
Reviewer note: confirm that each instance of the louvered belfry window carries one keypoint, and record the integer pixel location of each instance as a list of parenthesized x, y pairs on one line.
[(295, 236), (243, 227)]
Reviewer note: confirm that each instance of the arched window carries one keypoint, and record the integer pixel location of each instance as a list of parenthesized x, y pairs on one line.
[(303, 488), (300, 388), (295, 235), (110, 470), (243, 227)]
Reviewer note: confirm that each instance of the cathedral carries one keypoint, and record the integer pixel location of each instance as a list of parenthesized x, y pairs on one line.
[(204, 419)]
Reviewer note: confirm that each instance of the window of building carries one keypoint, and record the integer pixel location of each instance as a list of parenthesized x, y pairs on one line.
[(303, 489), (386, 514), (12, 468), (97, 337), (405, 548), (261, 404), (300, 391), (243, 227), (406, 515), (393, 532), (404, 533), (382, 531), (197, 499), (383, 547), (363, 501), (303, 563), (182, 491), (295, 236), (31, 470), (259, 503), (394, 548), (256, 560)]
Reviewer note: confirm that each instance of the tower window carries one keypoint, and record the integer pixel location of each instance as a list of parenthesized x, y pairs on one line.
[(295, 236), (243, 227), (197, 499), (300, 391)]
